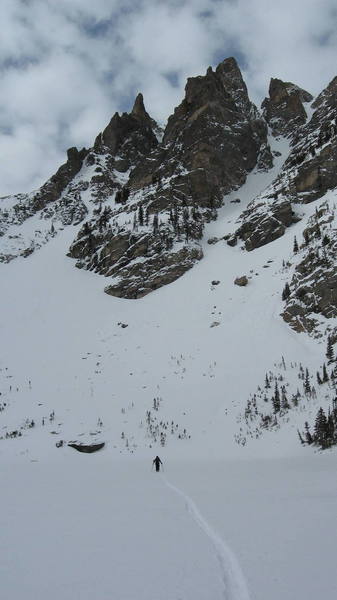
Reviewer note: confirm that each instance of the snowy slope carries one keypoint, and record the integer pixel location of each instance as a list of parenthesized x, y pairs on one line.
[(224, 522)]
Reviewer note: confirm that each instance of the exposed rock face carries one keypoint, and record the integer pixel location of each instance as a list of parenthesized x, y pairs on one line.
[(26, 205), (98, 172), (313, 287), (126, 140), (128, 137), (284, 110), (140, 259), (213, 139), (310, 169), (315, 149), (149, 200), (54, 187), (263, 222), (58, 199), (141, 278)]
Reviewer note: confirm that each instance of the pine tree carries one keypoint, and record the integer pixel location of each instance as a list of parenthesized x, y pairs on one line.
[(294, 400), (306, 237), (276, 399), (308, 436), (141, 216), (86, 228), (329, 351), (125, 194), (320, 429), (300, 436), (295, 248), (319, 380), (284, 400), (334, 372), (307, 387), (330, 429), (325, 374), (286, 292), (155, 223)]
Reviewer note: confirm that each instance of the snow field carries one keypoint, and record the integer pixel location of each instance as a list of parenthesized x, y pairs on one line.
[(83, 526), (87, 527)]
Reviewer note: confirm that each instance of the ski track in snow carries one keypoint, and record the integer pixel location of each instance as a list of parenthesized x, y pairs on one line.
[(235, 587)]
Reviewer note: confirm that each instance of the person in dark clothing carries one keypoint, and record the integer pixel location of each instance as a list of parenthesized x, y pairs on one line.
[(157, 462)]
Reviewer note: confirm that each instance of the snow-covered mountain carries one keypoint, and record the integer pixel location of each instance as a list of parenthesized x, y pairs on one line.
[(213, 347)]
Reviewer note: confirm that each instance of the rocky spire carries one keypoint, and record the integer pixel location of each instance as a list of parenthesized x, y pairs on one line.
[(284, 110), (122, 127), (138, 110), (231, 77)]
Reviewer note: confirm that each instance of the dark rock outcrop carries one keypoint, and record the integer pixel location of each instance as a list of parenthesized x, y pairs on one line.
[(308, 172), (53, 188), (139, 262), (211, 142), (311, 167), (313, 286), (87, 448), (241, 281), (139, 279), (128, 137), (213, 139), (263, 222), (284, 110)]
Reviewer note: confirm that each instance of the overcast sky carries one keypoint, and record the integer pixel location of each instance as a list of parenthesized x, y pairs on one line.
[(67, 65)]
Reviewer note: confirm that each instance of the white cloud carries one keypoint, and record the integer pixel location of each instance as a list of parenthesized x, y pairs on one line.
[(66, 66)]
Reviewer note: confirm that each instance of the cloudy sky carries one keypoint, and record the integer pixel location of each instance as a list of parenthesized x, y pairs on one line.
[(67, 65)]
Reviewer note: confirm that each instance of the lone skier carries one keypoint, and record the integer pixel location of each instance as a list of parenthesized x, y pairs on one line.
[(156, 461)]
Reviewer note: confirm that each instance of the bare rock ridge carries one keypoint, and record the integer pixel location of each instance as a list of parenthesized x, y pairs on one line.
[(308, 173), (57, 198), (213, 139), (143, 203)]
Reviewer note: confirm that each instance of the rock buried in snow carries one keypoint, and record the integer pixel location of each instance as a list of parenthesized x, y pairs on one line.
[(215, 282), (87, 448), (241, 281)]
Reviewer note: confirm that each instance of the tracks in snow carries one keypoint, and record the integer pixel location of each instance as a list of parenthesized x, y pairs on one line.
[(235, 587)]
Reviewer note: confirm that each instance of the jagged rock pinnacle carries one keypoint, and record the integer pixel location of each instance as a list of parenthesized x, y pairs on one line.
[(139, 108)]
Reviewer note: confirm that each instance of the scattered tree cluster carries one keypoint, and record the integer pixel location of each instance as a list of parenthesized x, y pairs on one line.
[(157, 430), (324, 432), (270, 405)]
